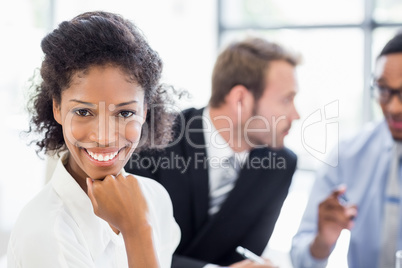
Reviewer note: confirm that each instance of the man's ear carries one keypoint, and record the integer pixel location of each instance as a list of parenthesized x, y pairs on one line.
[(56, 111), (240, 97)]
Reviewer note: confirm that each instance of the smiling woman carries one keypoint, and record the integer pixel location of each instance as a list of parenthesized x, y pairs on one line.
[(101, 128), (100, 80)]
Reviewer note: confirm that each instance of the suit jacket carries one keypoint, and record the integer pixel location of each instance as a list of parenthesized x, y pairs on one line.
[(248, 215)]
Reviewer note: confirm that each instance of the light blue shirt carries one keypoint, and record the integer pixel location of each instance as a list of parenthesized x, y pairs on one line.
[(363, 166)]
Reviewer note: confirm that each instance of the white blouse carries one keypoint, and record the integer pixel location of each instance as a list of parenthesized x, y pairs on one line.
[(58, 228)]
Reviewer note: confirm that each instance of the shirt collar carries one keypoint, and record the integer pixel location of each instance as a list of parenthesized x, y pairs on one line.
[(398, 149), (216, 146), (95, 230), (388, 141)]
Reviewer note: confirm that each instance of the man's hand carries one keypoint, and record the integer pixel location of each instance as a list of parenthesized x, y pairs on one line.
[(333, 217)]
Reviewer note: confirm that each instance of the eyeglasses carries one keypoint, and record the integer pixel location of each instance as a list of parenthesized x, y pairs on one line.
[(384, 94)]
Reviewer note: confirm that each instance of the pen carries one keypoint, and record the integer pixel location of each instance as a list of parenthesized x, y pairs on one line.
[(343, 199), (247, 254)]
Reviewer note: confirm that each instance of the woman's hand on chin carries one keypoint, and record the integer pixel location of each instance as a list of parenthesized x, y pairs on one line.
[(119, 201)]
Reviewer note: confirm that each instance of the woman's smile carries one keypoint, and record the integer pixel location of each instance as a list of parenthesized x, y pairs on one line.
[(103, 157), (102, 113)]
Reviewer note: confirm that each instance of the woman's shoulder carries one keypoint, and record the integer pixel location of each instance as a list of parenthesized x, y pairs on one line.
[(156, 195), (150, 186), (43, 203), (40, 217), (45, 233)]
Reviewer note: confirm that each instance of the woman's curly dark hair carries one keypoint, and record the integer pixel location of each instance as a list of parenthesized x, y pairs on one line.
[(97, 39)]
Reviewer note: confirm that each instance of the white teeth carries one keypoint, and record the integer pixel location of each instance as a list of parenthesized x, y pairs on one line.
[(102, 157)]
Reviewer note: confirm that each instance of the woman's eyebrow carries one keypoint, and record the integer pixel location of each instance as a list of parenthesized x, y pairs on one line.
[(94, 105), (83, 102), (126, 103)]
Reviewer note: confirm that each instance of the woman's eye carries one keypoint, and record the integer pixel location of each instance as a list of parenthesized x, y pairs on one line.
[(83, 112), (126, 114)]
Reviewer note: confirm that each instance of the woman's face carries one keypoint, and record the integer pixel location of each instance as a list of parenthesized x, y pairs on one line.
[(101, 114)]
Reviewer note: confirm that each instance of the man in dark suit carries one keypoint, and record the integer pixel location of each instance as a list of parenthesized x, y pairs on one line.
[(226, 170)]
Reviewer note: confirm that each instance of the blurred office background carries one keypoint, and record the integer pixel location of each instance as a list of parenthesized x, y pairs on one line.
[(339, 41)]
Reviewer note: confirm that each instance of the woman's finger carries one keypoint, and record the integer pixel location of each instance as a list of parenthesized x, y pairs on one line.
[(91, 194)]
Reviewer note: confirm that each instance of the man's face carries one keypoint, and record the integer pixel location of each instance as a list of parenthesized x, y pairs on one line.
[(388, 75), (275, 110)]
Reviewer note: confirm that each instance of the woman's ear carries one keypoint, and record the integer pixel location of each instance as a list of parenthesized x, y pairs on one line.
[(56, 111), (145, 113)]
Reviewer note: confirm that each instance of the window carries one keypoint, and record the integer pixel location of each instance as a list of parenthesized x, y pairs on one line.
[(23, 23), (339, 42)]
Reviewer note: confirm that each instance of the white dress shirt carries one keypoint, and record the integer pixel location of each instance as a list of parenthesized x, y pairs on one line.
[(217, 151), (58, 228)]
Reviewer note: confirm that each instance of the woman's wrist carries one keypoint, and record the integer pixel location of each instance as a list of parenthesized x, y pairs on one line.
[(137, 230)]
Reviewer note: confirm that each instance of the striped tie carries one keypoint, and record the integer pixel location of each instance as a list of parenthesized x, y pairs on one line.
[(230, 172), (391, 213)]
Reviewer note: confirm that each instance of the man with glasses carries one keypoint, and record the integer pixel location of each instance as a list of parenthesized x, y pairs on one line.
[(363, 192)]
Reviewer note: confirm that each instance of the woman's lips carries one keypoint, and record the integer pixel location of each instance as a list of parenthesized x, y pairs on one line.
[(102, 158)]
